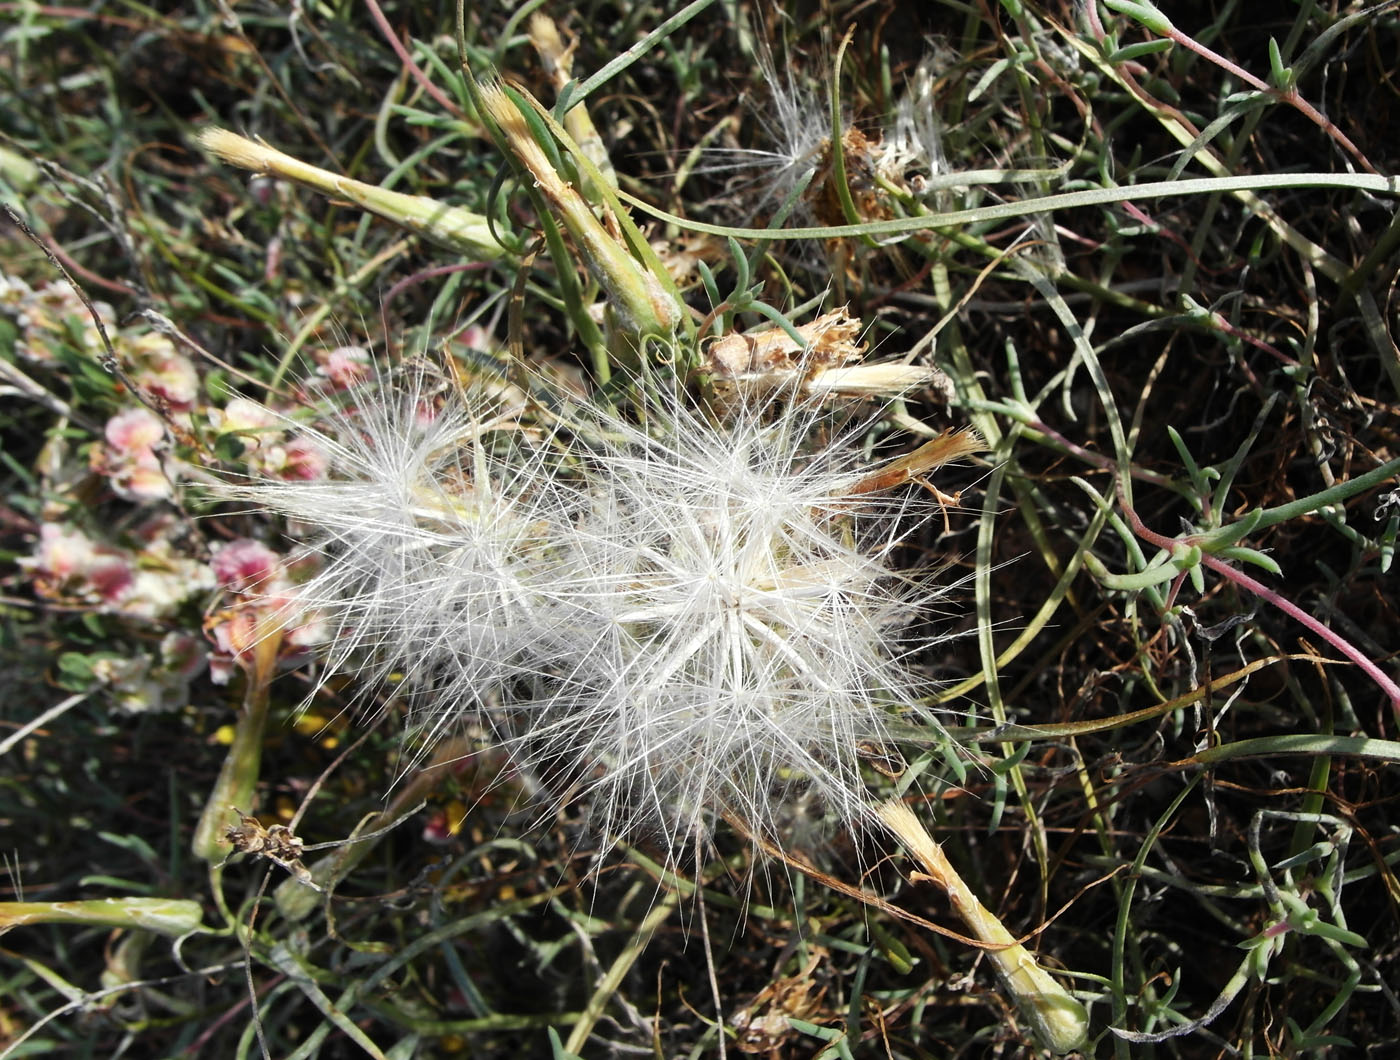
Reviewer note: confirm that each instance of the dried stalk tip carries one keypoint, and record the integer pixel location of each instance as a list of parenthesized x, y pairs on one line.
[(1061, 1022), (754, 363), (452, 227), (873, 380), (558, 62), (640, 300), (240, 151), (949, 445)]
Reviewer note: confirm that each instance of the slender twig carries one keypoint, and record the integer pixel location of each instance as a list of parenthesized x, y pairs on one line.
[(1289, 95), (418, 75), (43, 719), (1382, 680)]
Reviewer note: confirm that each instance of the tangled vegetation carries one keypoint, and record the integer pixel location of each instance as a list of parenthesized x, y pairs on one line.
[(516, 520)]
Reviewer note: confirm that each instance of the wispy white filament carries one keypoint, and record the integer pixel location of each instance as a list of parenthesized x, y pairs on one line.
[(428, 529), (733, 623), (678, 621)]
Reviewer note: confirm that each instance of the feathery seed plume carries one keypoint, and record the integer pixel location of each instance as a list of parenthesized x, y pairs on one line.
[(681, 621), (733, 624)]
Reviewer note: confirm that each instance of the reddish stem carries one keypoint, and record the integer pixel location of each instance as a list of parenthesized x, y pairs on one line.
[(1098, 460), (1374, 672), (418, 75), (428, 274), (91, 277), (1215, 563), (1289, 96)]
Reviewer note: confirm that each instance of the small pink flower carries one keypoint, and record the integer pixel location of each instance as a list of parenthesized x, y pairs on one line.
[(262, 189), (62, 554), (234, 634), (53, 309), (134, 430), (245, 418), (159, 592), (164, 371), (245, 564), (130, 460), (68, 565), (182, 655), (143, 481), (474, 337), (272, 264), (311, 630), (221, 667), (144, 682), (344, 366), (148, 583), (111, 577), (267, 602), (236, 631), (301, 460), (425, 414), (437, 829)]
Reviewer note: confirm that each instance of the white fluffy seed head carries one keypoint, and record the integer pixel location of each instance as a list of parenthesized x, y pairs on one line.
[(679, 621), (432, 527), (729, 626), (794, 126)]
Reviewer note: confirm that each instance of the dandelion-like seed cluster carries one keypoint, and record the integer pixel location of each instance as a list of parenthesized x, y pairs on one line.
[(431, 535), (794, 123), (736, 622), (678, 619)]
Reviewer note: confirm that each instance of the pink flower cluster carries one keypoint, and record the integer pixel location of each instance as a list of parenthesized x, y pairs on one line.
[(50, 316), (343, 367), (167, 376), (151, 569), (269, 449), (160, 681), (146, 580), (54, 316), (150, 582), (130, 459), (264, 587)]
